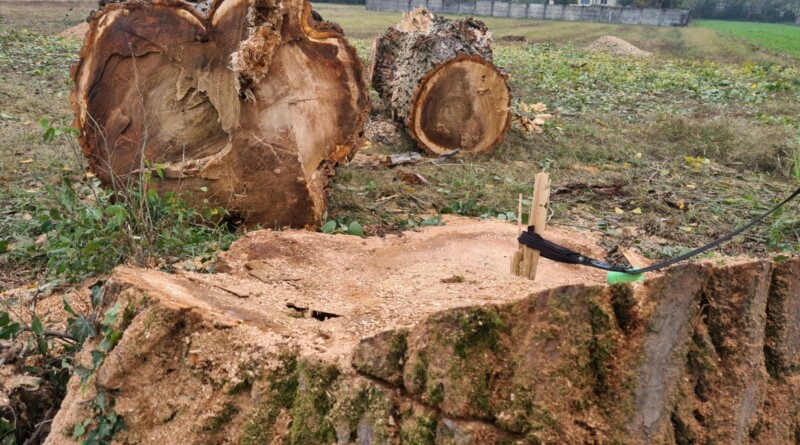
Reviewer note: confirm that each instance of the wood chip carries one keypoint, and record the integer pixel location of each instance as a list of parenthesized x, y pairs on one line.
[(411, 178), (268, 273), (634, 258)]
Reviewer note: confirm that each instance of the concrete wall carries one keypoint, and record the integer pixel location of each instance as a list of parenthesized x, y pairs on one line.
[(497, 8)]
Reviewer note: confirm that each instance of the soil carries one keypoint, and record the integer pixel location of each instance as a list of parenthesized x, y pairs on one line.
[(616, 46)]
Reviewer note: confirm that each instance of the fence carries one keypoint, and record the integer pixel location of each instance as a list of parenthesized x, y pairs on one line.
[(604, 14)]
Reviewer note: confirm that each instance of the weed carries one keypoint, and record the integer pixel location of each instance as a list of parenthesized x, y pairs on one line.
[(340, 226), (54, 351), (85, 229)]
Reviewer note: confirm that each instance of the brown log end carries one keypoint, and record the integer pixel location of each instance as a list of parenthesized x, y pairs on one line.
[(247, 107), (461, 104)]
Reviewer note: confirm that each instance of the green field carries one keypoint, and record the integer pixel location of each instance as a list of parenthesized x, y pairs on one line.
[(782, 39), (695, 41)]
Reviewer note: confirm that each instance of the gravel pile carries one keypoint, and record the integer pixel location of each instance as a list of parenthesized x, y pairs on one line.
[(617, 46)]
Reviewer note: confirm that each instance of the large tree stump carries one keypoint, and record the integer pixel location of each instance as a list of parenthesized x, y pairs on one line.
[(248, 106), (437, 78)]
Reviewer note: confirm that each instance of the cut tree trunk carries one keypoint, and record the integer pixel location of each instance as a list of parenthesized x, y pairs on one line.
[(248, 107), (437, 78), (698, 354)]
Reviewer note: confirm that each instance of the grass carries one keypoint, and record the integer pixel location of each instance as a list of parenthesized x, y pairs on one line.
[(695, 140), (699, 139), (779, 38)]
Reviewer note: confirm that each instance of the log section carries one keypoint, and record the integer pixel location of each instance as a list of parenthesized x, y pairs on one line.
[(248, 107), (437, 78)]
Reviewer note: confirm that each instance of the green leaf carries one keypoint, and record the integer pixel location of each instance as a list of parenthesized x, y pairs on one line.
[(97, 358), (97, 294), (102, 403), (3, 246), (83, 373), (111, 315), (355, 229), (329, 227), (9, 331), (37, 327), (80, 329), (80, 428), (67, 306), (110, 340), (5, 426)]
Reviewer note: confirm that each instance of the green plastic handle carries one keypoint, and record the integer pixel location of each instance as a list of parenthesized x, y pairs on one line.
[(619, 277)]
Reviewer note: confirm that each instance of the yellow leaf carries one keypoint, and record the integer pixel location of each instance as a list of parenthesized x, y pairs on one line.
[(539, 107), (637, 211), (681, 204), (691, 186), (686, 229), (639, 155), (26, 161), (618, 211)]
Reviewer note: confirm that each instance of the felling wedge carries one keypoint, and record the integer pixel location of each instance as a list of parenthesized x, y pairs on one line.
[(437, 78), (248, 106)]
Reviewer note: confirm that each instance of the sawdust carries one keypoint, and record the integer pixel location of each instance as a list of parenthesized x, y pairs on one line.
[(616, 46), (374, 284), (76, 32)]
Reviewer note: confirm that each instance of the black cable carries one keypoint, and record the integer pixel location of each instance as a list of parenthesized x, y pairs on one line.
[(555, 252)]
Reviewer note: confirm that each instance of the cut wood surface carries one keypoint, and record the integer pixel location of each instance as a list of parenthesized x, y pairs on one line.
[(433, 334), (437, 78), (248, 106)]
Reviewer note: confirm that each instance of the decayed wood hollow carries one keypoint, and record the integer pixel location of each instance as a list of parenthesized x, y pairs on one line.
[(437, 78), (254, 102)]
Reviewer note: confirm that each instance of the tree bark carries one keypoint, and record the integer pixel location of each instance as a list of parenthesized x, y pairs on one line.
[(248, 107), (437, 78)]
